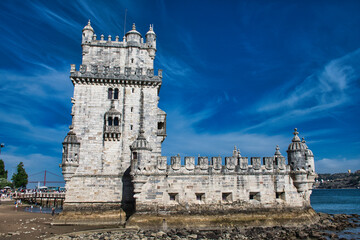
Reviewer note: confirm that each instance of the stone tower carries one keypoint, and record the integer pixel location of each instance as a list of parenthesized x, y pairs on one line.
[(115, 110)]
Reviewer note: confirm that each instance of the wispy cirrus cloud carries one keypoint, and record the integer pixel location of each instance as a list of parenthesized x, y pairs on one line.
[(186, 138), (322, 91)]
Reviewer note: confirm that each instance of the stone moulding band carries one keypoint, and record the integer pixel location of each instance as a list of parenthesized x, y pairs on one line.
[(98, 176), (103, 81), (216, 173)]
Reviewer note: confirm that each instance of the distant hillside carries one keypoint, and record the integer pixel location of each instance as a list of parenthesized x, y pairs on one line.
[(338, 180)]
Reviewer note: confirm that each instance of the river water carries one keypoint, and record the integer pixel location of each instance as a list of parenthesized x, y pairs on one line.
[(337, 201)]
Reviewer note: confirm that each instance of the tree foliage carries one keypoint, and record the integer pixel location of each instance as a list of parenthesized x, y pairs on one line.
[(20, 178), (3, 173), (4, 183)]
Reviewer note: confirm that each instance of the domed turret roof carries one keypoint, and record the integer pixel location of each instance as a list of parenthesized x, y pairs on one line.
[(140, 143), (133, 31), (71, 137), (296, 144), (88, 27), (308, 151), (151, 30)]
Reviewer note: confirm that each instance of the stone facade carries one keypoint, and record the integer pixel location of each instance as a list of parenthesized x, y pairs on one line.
[(112, 161)]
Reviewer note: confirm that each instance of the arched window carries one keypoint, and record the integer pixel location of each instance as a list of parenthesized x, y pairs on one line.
[(116, 121), (110, 121), (116, 93), (110, 90)]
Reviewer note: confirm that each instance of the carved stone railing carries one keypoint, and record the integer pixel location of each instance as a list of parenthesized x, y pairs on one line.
[(216, 164)]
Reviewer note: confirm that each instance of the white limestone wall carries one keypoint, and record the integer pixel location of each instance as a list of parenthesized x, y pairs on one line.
[(108, 158), (157, 189), (118, 55)]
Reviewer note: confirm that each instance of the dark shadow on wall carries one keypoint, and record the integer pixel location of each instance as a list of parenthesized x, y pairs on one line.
[(128, 200)]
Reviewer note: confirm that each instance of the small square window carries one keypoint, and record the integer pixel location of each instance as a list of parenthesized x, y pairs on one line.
[(227, 197), (254, 196), (173, 196), (280, 195), (200, 196)]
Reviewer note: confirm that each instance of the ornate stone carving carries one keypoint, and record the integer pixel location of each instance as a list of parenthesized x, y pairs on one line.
[(94, 69), (162, 162), (230, 163), (203, 162), (106, 70), (216, 162), (189, 163), (256, 163), (83, 68), (244, 163), (176, 162), (116, 71), (127, 71), (268, 162)]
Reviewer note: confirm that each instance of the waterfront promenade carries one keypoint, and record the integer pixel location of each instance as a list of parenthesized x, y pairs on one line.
[(19, 224)]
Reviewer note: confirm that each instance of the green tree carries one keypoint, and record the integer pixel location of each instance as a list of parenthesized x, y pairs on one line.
[(3, 173), (20, 178), (4, 182)]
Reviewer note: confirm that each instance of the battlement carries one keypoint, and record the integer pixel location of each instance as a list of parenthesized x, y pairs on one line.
[(106, 74), (109, 42), (217, 165)]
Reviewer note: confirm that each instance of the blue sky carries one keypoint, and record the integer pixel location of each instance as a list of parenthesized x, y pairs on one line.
[(242, 73)]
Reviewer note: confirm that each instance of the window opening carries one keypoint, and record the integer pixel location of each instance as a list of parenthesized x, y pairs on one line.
[(280, 195), (227, 197), (254, 196), (110, 90), (131, 109), (173, 196), (116, 121), (116, 93), (200, 196), (131, 127), (160, 125), (132, 90), (109, 121)]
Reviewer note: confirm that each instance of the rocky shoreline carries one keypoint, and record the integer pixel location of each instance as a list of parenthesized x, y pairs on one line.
[(326, 228)]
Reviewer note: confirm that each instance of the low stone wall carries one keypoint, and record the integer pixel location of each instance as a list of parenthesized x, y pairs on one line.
[(91, 214), (215, 220)]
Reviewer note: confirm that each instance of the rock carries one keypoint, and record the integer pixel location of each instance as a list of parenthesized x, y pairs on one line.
[(192, 236), (160, 234)]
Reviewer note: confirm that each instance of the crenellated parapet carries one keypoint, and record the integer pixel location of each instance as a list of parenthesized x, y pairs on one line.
[(108, 60), (227, 165), (102, 74), (131, 39)]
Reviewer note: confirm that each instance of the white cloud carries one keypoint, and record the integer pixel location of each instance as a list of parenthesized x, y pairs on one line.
[(328, 165), (185, 140), (315, 96)]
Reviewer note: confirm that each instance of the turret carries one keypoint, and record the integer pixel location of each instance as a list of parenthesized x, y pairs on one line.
[(309, 158), (296, 153), (70, 157), (87, 33), (141, 153), (301, 161), (133, 35), (151, 41)]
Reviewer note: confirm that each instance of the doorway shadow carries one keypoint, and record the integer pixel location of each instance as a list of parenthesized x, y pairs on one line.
[(128, 200)]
